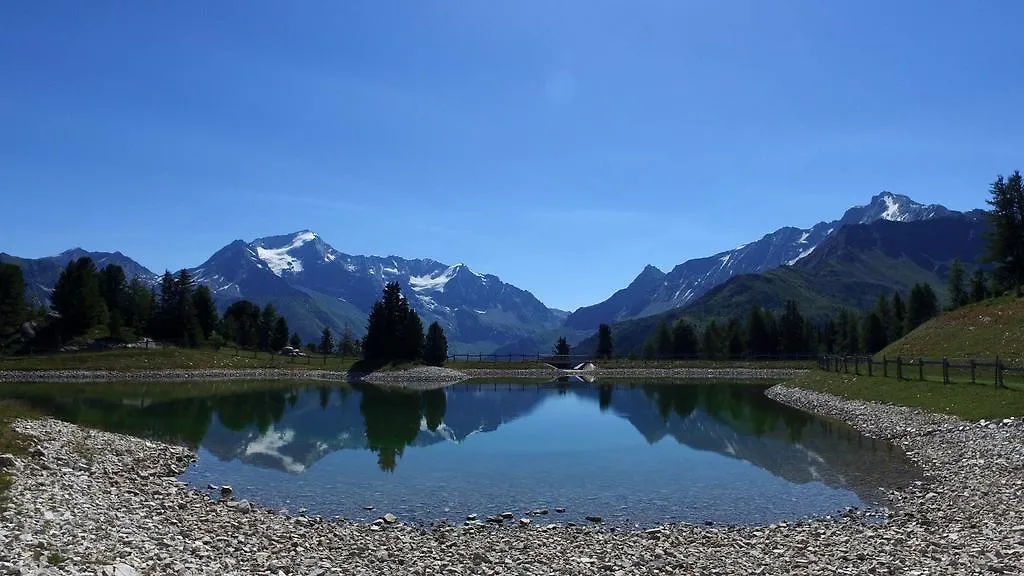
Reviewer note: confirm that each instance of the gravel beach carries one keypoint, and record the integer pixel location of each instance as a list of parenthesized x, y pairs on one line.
[(89, 502)]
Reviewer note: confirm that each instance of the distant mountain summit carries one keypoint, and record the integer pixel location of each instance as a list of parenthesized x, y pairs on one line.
[(651, 294), (314, 285)]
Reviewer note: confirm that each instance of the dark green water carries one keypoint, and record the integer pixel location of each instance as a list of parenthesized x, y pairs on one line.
[(635, 455)]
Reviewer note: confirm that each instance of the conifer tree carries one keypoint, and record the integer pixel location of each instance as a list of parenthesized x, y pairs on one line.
[(326, 341), (562, 347), (604, 342), (1006, 234), (435, 348), (279, 336), (758, 333), (899, 318), (956, 285), (13, 309), (885, 316), (347, 345), (268, 317), (206, 310), (684, 340), (791, 328), (663, 340), (979, 285), (734, 339), (873, 336), (711, 341), (295, 341), (77, 298)]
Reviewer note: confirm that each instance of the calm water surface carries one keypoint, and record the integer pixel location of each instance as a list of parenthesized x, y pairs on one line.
[(633, 454)]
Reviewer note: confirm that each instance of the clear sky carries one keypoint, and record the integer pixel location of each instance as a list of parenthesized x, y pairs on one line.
[(561, 145)]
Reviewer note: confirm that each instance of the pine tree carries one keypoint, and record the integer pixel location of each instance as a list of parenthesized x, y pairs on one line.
[(1006, 235), (956, 285), (347, 346), (188, 331), (829, 337), (848, 341), (326, 341), (114, 291), (922, 305), (394, 331), (885, 316), (410, 334), (979, 285), (13, 309), (791, 328), (241, 323), (268, 317), (758, 334), (663, 340), (279, 336), (734, 342), (873, 336), (435, 347), (138, 312), (604, 342), (206, 310), (899, 318), (77, 298), (649, 349), (711, 341), (562, 347), (295, 341), (684, 340)]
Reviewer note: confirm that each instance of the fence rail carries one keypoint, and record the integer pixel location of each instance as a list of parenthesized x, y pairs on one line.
[(974, 370)]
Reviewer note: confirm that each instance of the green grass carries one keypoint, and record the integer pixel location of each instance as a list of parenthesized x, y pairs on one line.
[(169, 358), (982, 331), (153, 391), (970, 402)]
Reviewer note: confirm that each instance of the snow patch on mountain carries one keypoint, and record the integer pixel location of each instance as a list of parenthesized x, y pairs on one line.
[(279, 260), (434, 282), (892, 209)]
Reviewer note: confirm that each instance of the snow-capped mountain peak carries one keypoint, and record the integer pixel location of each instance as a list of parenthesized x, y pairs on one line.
[(892, 207), (291, 253)]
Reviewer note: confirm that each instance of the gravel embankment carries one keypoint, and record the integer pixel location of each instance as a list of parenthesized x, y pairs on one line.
[(89, 500), (421, 377)]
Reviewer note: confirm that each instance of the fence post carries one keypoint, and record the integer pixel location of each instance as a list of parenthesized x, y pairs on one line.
[(997, 372), (899, 367), (945, 370), (920, 369), (856, 365), (972, 371), (871, 362)]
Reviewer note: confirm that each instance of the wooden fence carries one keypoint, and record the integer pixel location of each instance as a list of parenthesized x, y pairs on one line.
[(912, 368)]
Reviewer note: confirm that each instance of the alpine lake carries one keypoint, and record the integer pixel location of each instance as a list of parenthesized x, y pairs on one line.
[(634, 454)]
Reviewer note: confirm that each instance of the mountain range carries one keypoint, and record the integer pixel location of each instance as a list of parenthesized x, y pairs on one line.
[(888, 243), (654, 291)]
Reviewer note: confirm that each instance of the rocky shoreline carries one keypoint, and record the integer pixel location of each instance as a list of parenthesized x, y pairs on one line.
[(85, 501), (421, 377)]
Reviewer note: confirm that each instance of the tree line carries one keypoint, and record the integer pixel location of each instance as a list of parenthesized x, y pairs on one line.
[(87, 301)]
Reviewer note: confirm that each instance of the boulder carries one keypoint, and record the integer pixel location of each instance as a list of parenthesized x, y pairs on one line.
[(8, 462), (390, 518), (118, 570)]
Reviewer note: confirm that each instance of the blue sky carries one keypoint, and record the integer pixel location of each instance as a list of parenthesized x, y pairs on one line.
[(516, 137)]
